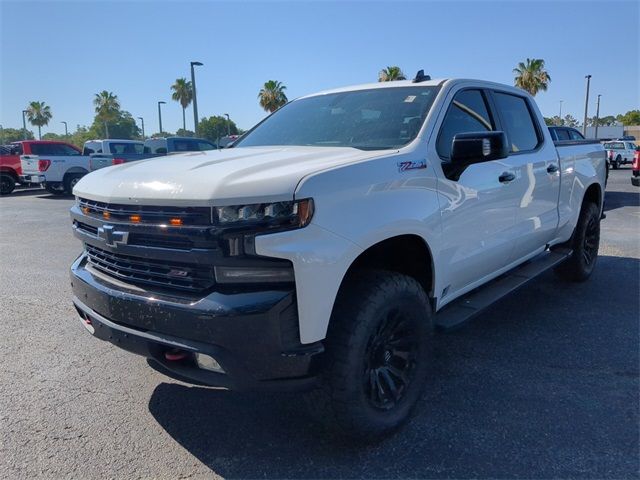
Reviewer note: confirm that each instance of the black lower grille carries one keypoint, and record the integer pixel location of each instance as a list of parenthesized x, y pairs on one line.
[(172, 275)]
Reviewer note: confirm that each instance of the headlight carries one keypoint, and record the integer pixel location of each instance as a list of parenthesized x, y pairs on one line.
[(283, 215)]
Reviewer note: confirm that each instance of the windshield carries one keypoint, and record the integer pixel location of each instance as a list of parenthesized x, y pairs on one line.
[(376, 119)]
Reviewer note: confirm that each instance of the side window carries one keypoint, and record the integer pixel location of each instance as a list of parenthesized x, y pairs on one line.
[(182, 146), (468, 112), (44, 149), (562, 134), (518, 123), (67, 150), (205, 146), (575, 135)]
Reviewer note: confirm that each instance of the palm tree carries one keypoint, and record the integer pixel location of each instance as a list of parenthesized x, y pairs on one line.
[(107, 108), (391, 74), (531, 76), (183, 93), (272, 96), (39, 114)]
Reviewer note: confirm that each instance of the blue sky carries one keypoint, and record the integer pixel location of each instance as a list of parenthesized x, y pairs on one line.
[(64, 52)]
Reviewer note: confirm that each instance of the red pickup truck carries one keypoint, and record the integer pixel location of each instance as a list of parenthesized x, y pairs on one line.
[(10, 165)]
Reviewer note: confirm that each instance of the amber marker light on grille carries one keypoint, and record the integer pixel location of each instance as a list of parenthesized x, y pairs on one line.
[(135, 218), (176, 222), (86, 210), (106, 215)]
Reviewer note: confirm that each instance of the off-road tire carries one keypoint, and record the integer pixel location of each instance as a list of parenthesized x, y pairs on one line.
[(584, 243), (346, 401)]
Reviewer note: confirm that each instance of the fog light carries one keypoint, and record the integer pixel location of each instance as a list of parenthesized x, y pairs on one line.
[(208, 363)]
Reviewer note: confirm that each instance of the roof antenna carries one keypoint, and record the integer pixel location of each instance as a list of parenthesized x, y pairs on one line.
[(421, 77)]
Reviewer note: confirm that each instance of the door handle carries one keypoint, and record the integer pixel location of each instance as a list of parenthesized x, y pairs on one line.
[(553, 168), (506, 177)]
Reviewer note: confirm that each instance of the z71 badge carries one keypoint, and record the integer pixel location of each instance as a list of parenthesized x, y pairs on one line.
[(404, 166)]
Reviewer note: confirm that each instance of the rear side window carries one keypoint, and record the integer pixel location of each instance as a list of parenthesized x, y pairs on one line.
[(202, 146), (575, 135), (44, 149), (184, 145), (562, 134), (118, 148), (468, 112), (517, 121)]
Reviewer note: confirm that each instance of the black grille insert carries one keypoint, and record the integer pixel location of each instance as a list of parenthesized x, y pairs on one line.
[(172, 275)]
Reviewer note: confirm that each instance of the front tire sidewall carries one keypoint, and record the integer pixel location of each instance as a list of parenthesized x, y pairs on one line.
[(364, 309)]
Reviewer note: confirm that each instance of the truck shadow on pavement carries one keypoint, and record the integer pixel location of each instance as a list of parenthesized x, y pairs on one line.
[(615, 200), (543, 384)]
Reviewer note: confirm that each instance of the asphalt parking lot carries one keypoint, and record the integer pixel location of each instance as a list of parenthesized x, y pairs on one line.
[(545, 384)]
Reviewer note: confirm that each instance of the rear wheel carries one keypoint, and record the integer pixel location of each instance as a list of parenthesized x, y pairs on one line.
[(376, 359), (54, 189), (7, 184), (70, 181), (617, 162), (585, 243)]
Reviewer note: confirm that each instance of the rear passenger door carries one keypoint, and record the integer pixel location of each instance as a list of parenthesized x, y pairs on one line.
[(535, 164)]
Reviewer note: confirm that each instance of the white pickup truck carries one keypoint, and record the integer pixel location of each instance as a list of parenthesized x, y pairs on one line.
[(321, 251), (58, 166)]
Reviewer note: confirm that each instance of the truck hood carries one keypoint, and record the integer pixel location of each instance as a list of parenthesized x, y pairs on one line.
[(216, 177)]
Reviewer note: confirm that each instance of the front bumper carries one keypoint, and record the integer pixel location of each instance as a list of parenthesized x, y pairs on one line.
[(253, 335)]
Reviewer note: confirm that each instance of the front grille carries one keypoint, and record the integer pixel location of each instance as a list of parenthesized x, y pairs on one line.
[(165, 274), (148, 214)]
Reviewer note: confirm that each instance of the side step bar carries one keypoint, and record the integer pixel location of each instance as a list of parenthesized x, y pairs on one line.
[(474, 302)]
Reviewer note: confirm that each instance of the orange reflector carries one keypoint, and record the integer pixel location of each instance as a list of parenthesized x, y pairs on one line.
[(135, 218), (176, 221), (106, 215), (85, 210)]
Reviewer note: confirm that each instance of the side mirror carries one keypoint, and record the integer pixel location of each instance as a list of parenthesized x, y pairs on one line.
[(476, 147)]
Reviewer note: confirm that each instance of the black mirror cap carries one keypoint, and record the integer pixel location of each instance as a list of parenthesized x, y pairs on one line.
[(476, 147)]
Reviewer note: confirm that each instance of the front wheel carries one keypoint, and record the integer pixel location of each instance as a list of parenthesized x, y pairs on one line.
[(377, 354), (585, 243), (617, 162)]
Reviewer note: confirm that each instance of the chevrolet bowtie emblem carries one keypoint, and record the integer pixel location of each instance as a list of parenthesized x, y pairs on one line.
[(111, 236)]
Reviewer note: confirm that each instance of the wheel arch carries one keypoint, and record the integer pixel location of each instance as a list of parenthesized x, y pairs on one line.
[(409, 254)]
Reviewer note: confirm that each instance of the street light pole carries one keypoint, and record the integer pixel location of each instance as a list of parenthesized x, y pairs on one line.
[(228, 125), (142, 121), (586, 107), (66, 133), (160, 115), (24, 125), (195, 99), (560, 114), (597, 117)]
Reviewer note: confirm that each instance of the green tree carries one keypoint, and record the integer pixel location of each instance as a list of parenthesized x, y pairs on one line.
[(9, 135), (570, 121), (122, 126), (552, 121), (531, 76), (632, 117), (181, 132), (54, 136), (39, 114), (107, 109), (391, 74), (215, 127), (182, 93), (272, 96), (83, 133)]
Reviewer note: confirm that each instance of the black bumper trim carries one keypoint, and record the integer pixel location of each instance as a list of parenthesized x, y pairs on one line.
[(153, 346)]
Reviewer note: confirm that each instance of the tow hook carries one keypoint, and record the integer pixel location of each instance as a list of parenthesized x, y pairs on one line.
[(175, 355)]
